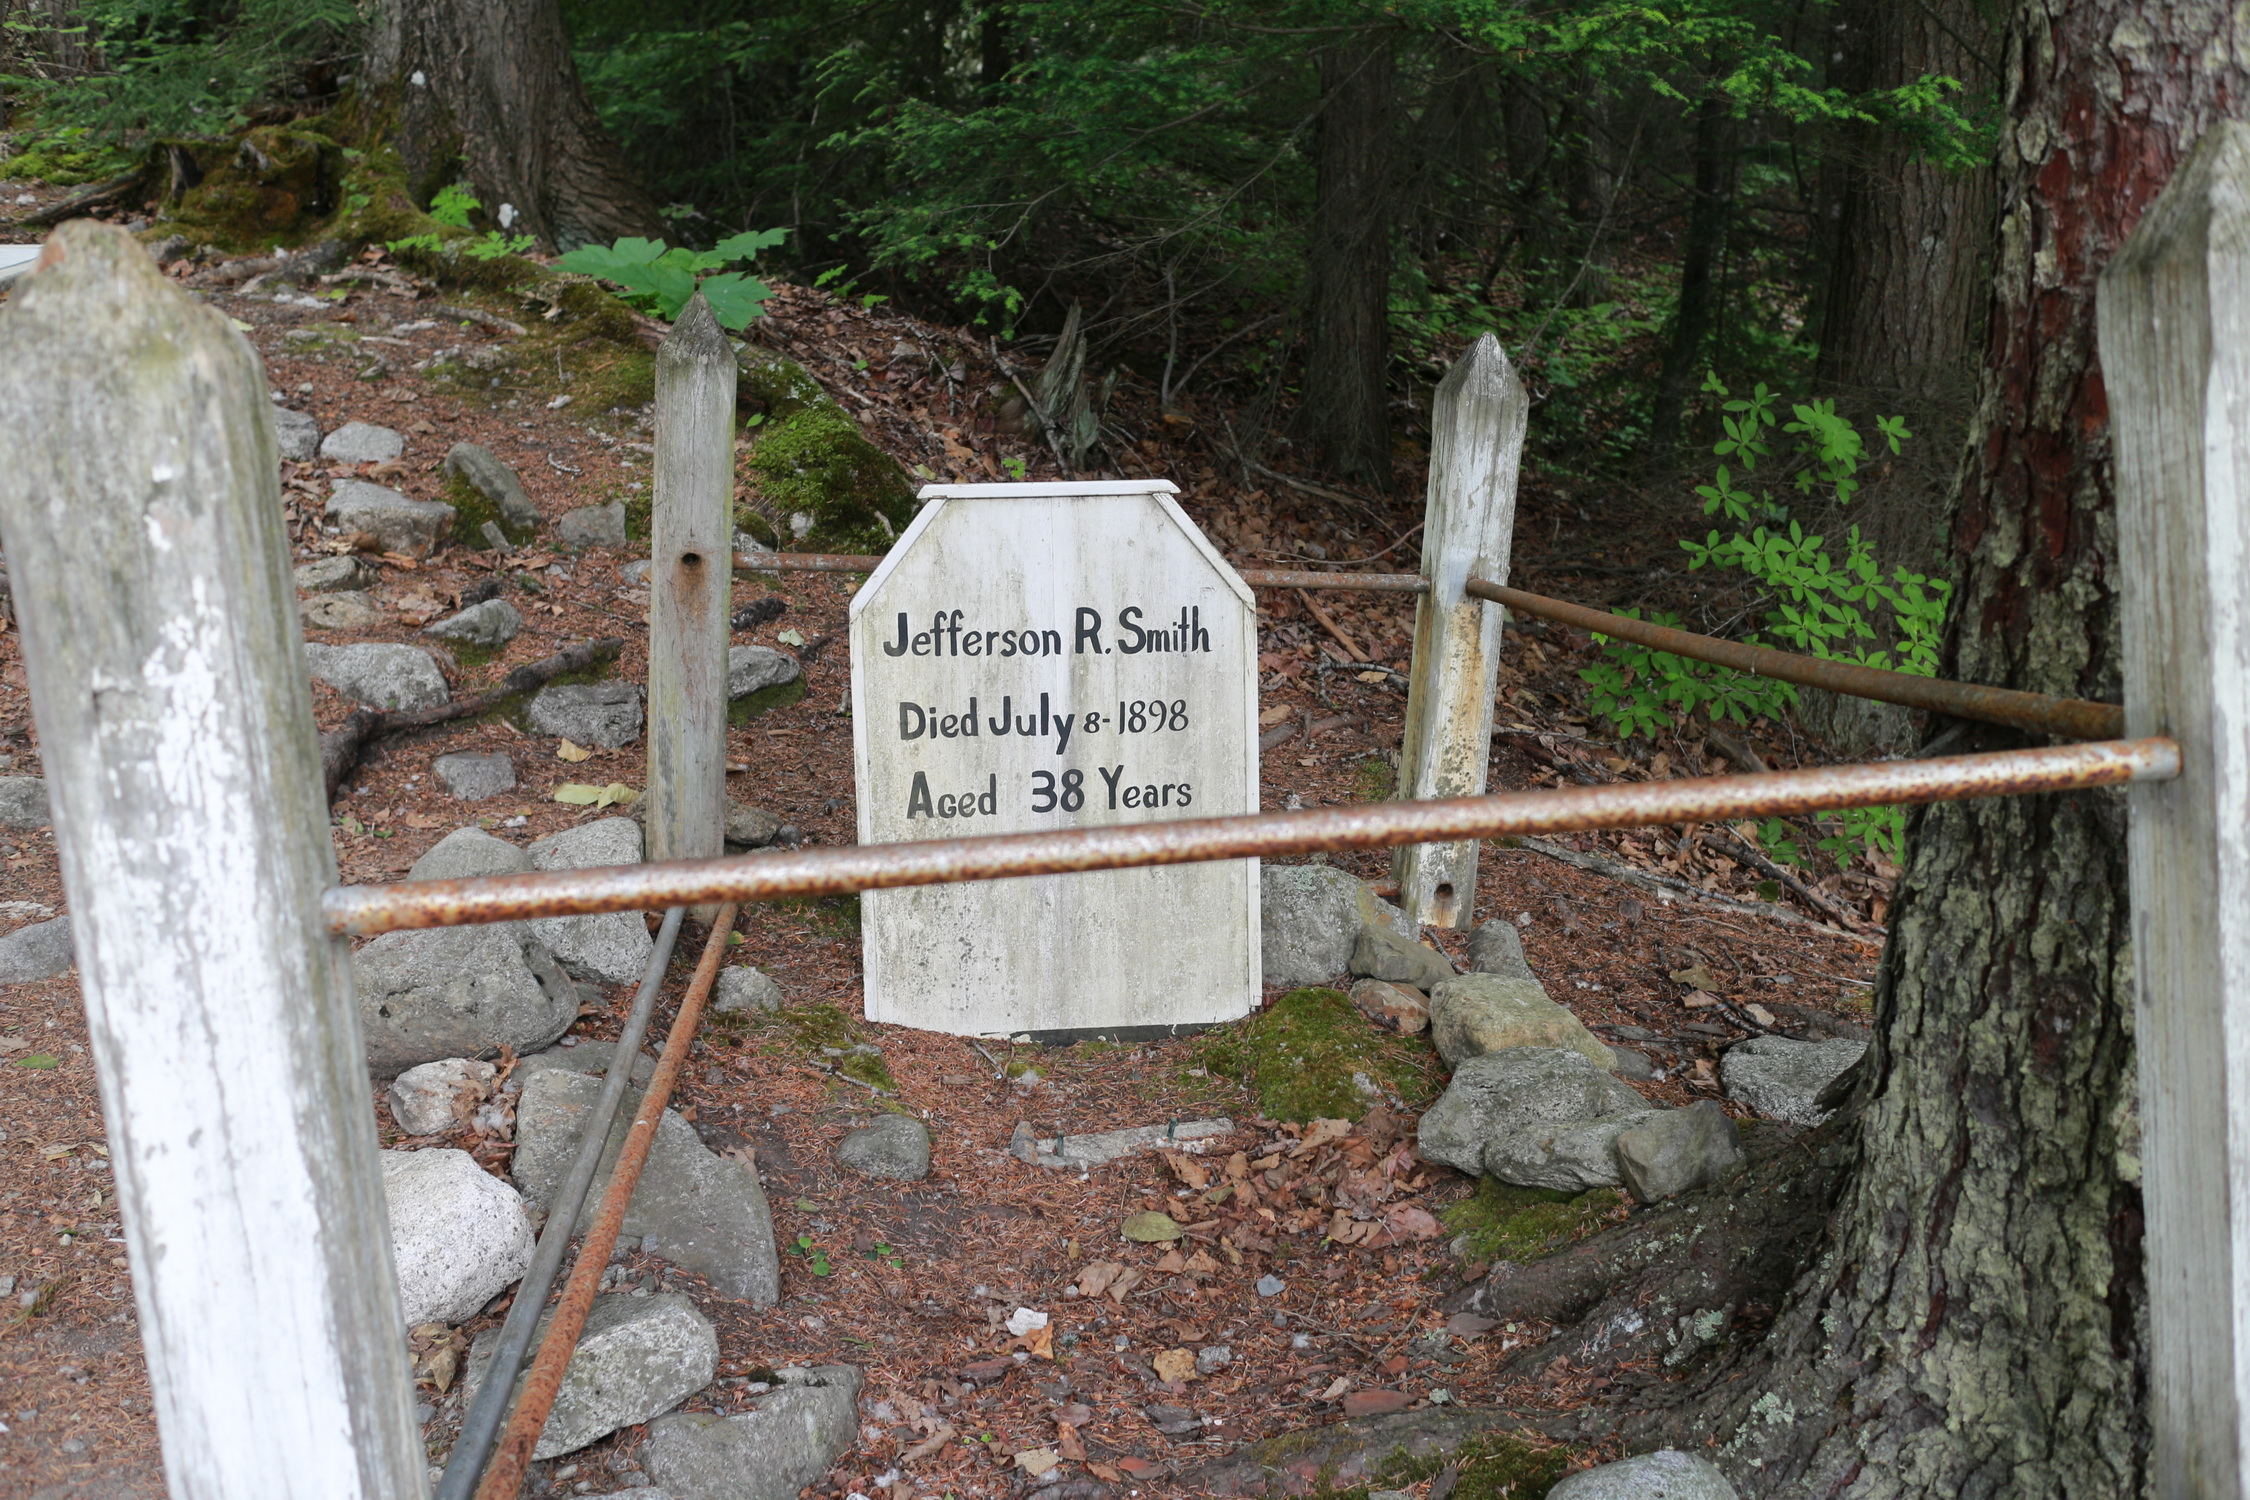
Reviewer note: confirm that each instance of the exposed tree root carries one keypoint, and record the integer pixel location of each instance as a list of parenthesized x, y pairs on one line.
[(341, 747), (1353, 1452)]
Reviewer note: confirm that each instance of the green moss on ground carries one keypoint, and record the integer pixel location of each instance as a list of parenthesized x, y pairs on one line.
[(823, 1031), (1499, 1467), (1375, 779), (749, 706), (816, 462), (69, 157), (1504, 1222), (471, 510), (270, 185), (1298, 1058)]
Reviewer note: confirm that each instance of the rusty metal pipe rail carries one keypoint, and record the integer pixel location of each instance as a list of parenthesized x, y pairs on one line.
[(362, 911), (2041, 713), (2069, 718)]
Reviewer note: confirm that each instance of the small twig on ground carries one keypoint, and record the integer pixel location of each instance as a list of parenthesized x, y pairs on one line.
[(1602, 864), (1334, 629), (1757, 856), (341, 747), (477, 315)]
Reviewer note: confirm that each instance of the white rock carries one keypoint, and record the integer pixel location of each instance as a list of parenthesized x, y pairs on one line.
[(472, 776), (492, 623), (1666, 1474), (23, 802), (611, 948), (398, 523), (1780, 1077), (750, 668), (638, 1358), (743, 988), (428, 1099), (362, 443), (296, 434), (379, 675), (459, 1235)]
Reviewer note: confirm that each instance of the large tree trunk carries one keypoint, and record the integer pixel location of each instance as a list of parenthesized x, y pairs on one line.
[(486, 89), (1700, 255), (1907, 279), (1976, 1325), (1973, 1323), (1347, 357)]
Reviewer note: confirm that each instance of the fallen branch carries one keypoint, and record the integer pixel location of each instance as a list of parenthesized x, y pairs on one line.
[(1751, 852), (477, 315), (94, 197), (342, 747), (1333, 629)]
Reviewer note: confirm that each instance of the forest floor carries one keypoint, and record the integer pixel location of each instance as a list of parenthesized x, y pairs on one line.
[(912, 1285)]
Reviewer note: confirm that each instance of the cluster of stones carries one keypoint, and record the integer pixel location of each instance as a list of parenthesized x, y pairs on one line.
[(1535, 1099)]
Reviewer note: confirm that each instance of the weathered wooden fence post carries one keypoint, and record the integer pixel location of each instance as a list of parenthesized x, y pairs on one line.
[(140, 500), (691, 542), (2175, 354), (1476, 445)]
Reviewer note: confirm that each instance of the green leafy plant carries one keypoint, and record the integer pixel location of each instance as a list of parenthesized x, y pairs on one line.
[(814, 1254), (663, 277), (452, 207), (1840, 608)]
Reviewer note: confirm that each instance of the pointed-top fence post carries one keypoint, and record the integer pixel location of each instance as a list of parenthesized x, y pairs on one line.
[(1476, 446), (141, 504), (691, 577), (2174, 317)]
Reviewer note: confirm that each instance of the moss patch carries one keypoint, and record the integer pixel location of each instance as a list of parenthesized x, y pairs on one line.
[(1491, 1468), (750, 705), (817, 463), (67, 158), (471, 510), (1506, 1222), (271, 185), (1375, 781), (1298, 1058), (823, 1031)]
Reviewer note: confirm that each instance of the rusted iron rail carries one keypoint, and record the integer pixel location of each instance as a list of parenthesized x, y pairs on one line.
[(2041, 713), (2069, 718), (362, 911), (504, 1480)]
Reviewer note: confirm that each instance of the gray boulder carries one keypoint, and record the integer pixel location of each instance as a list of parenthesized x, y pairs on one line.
[(1667, 1474), (458, 992), (750, 827), (1497, 948), (1380, 953), (328, 574), (894, 1146), (1480, 1013), (1678, 1150), (296, 434), (362, 443), (699, 1211), (605, 715), (490, 477), (750, 668), (427, 1099), (1506, 1094), (783, 1443), (459, 1235), (1567, 1157), (593, 526), (468, 852), (1781, 1078), (1310, 917), (23, 802), (492, 623), (589, 1058), (397, 523), (342, 610), (612, 947), (742, 989), (379, 675), (39, 951), (1632, 1066), (472, 776), (638, 1358)]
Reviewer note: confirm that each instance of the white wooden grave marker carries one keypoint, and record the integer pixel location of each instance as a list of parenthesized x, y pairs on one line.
[(1043, 656)]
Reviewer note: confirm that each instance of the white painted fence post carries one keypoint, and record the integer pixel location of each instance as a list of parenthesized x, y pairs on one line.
[(141, 505), (691, 584), (1476, 446), (2175, 353)]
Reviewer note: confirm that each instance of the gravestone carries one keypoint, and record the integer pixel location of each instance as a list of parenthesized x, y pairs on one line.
[(1034, 657)]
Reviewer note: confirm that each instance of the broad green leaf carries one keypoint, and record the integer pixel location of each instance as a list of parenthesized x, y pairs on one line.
[(735, 298), (746, 246)]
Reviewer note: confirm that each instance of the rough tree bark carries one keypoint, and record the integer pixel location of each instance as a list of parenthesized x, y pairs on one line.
[(1700, 253), (1907, 268), (1973, 1321), (487, 88), (1348, 347)]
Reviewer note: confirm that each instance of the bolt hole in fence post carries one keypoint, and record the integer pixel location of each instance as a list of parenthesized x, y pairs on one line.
[(690, 518), (140, 498), (1476, 445), (2174, 320)]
